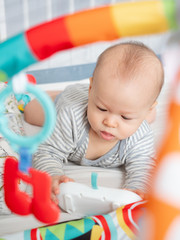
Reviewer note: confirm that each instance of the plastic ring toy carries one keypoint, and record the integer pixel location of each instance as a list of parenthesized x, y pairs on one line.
[(50, 117)]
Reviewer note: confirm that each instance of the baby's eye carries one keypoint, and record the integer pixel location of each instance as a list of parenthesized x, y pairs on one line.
[(125, 118), (101, 109)]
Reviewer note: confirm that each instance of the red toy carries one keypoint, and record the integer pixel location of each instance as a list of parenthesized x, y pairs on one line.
[(19, 202)]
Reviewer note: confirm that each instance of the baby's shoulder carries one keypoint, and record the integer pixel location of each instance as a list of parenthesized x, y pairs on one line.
[(72, 103), (144, 131), (73, 96), (144, 128)]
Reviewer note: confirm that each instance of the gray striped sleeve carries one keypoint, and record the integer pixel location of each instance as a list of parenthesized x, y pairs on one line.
[(55, 151), (140, 160), (71, 107)]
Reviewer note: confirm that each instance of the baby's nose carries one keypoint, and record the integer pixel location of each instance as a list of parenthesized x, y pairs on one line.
[(110, 122)]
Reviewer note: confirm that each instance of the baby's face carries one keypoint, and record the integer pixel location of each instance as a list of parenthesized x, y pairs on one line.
[(115, 108)]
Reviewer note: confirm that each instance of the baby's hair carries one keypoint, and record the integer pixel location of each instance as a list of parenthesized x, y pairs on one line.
[(131, 56)]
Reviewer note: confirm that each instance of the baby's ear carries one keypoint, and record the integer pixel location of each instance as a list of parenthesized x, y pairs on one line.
[(154, 105), (151, 116), (90, 83)]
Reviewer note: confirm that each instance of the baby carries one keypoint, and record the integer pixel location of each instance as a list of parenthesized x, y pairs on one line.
[(105, 123)]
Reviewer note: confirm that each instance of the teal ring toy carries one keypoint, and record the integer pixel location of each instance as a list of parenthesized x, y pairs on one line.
[(30, 142)]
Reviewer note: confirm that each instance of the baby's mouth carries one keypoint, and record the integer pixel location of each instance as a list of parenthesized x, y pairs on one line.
[(106, 135)]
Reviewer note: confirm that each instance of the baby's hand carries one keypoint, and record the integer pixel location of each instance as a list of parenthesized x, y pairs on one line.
[(56, 180)]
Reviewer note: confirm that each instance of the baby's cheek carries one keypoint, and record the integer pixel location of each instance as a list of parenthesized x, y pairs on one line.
[(95, 120), (91, 117), (126, 130)]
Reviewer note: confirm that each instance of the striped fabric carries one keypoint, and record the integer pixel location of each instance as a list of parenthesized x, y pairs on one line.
[(69, 142)]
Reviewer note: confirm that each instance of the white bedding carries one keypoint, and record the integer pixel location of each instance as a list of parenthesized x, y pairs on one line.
[(82, 174)]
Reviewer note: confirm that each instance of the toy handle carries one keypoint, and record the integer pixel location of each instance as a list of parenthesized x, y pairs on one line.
[(20, 202)]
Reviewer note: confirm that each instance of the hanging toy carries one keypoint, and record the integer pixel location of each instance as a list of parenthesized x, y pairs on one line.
[(19, 202), (24, 99)]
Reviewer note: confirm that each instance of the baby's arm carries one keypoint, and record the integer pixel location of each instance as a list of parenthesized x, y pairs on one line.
[(54, 152), (139, 167), (33, 111)]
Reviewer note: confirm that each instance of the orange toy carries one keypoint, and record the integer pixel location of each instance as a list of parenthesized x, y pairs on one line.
[(163, 220)]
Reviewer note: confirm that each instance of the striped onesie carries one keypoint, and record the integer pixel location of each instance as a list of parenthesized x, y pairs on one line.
[(70, 137)]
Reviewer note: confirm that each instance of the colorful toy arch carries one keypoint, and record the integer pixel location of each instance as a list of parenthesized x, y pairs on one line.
[(100, 24)]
